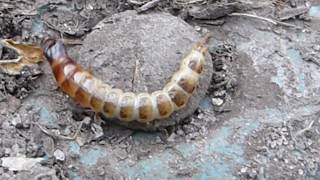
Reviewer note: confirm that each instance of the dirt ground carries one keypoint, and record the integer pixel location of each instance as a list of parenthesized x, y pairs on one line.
[(260, 118)]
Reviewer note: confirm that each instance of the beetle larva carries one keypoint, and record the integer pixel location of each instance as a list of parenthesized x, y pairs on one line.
[(92, 93)]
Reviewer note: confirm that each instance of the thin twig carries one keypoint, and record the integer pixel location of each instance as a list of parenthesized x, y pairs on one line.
[(272, 21), (189, 2), (148, 6), (72, 41), (313, 60), (47, 132), (1, 50), (52, 27), (134, 2), (305, 129), (135, 75), (9, 61), (45, 174)]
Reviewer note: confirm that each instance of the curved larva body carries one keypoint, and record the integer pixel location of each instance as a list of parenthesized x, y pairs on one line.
[(91, 92)]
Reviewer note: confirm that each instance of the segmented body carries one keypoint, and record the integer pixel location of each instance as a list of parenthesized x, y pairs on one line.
[(113, 103)]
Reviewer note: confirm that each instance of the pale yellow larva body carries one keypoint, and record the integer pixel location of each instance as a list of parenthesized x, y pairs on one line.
[(126, 106)]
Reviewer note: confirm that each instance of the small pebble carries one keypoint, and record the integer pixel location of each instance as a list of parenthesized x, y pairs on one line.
[(293, 3), (98, 131), (172, 137), (273, 144), (16, 121), (7, 151), (59, 155), (180, 132), (316, 47), (102, 142), (80, 140), (86, 121), (197, 28), (243, 170), (122, 154), (158, 140), (5, 125), (15, 149), (205, 30), (200, 116), (217, 101), (66, 132), (101, 171)]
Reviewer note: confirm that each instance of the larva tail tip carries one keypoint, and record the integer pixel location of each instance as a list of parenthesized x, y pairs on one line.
[(201, 44), (205, 39)]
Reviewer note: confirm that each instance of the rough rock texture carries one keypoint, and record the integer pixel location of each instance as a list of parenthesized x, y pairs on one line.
[(140, 53)]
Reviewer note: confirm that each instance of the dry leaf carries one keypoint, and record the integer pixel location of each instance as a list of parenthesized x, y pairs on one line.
[(28, 55)]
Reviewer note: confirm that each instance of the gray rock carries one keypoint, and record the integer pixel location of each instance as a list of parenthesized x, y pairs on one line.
[(19, 163), (154, 44)]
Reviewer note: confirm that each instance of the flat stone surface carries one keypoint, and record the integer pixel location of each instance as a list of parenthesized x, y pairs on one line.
[(140, 53)]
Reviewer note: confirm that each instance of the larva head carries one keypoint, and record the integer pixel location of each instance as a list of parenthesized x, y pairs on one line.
[(53, 49)]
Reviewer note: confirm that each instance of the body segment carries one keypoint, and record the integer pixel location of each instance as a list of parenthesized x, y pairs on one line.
[(92, 93)]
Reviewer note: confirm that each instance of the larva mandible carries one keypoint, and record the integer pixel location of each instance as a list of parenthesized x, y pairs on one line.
[(113, 103)]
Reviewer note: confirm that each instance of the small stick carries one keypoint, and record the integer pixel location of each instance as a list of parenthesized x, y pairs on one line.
[(135, 75), (1, 50), (148, 6), (136, 2), (272, 21), (189, 2), (9, 61), (305, 129), (314, 61), (47, 132)]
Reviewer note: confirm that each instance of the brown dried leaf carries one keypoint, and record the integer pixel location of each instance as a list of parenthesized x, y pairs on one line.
[(28, 55)]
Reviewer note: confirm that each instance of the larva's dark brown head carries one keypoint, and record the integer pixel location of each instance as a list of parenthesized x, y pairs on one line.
[(53, 49)]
